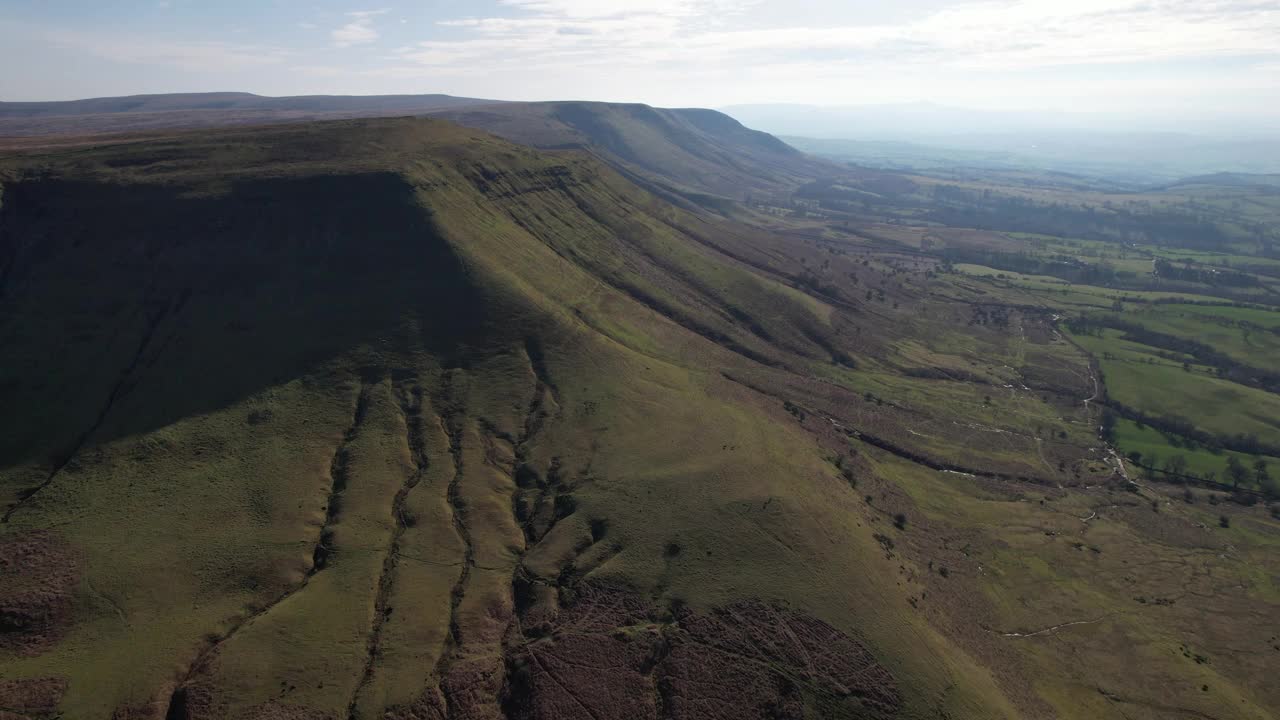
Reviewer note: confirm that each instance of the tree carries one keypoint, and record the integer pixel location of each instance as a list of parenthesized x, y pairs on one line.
[(1260, 474), (1176, 466), (1236, 471)]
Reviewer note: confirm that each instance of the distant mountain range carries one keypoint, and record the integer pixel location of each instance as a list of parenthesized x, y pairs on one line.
[(229, 101), (1115, 147)]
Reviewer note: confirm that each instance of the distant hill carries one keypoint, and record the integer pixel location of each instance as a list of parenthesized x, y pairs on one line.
[(136, 113), (686, 153), (232, 101), (685, 150), (1226, 179)]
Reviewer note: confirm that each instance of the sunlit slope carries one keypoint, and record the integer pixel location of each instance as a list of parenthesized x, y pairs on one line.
[(691, 152), (324, 421)]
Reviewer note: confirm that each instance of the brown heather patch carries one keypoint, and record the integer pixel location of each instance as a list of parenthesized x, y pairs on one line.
[(610, 654), (38, 574), (30, 699)]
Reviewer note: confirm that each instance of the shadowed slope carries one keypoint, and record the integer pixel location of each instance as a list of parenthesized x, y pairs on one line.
[(127, 307)]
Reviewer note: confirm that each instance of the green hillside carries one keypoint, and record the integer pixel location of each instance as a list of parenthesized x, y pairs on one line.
[(397, 419), (689, 152)]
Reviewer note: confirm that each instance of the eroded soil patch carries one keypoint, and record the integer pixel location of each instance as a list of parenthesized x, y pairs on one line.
[(31, 698), (607, 653), (38, 574)]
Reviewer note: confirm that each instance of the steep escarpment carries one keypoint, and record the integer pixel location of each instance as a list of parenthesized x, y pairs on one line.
[(357, 419), (686, 153)]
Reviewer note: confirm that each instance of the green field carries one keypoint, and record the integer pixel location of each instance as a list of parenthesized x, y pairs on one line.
[(1227, 330), (1157, 448)]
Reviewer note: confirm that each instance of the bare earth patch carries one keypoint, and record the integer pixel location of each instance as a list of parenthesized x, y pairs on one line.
[(37, 577), (609, 654), (30, 699)]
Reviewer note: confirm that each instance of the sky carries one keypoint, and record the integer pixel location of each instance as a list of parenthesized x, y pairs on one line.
[(1155, 57)]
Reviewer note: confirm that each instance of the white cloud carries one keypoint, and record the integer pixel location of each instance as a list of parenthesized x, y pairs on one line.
[(629, 8), (991, 34), (986, 53), (1107, 54), (358, 31), (192, 56)]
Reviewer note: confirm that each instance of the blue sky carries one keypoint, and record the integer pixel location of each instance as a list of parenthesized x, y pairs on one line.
[(1129, 56)]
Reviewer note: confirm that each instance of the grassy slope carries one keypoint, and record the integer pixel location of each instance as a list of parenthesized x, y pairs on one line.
[(688, 152), (233, 601), (433, 313)]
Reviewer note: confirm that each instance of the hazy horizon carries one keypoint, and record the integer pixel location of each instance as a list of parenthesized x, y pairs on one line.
[(1165, 60)]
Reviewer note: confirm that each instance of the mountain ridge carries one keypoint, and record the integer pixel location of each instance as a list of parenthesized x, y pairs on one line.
[(688, 154), (169, 102)]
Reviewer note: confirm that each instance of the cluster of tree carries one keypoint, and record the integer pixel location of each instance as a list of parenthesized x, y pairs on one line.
[(1206, 276), (996, 315), (1086, 325), (1108, 425), (1208, 303), (1258, 268), (1237, 475), (1071, 270), (1194, 436), (1182, 432), (816, 283)]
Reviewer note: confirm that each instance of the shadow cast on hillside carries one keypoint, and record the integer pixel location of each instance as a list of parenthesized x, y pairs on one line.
[(124, 308)]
